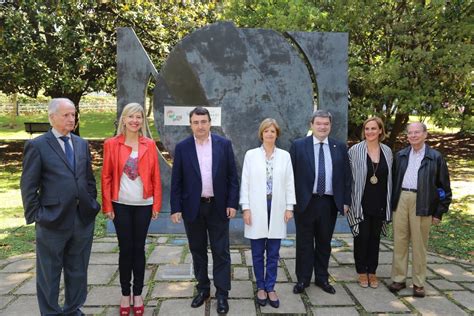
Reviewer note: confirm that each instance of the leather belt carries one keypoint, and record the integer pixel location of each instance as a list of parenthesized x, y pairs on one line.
[(269, 196), (207, 200), (409, 190)]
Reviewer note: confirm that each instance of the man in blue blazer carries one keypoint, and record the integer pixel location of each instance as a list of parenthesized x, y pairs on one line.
[(205, 193), (59, 195), (323, 187)]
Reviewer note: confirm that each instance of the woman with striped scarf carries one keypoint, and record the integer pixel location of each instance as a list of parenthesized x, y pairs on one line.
[(371, 164)]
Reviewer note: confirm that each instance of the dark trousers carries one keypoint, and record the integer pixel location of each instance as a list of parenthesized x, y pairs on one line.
[(131, 224), (209, 222), (314, 229), (67, 250), (367, 243), (265, 279)]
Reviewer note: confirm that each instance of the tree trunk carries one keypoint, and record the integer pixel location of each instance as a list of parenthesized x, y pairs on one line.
[(401, 120), (14, 111)]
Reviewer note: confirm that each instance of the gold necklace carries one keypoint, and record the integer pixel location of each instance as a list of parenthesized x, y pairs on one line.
[(373, 179)]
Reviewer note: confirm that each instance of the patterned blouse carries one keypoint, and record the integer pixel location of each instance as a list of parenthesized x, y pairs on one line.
[(269, 170)]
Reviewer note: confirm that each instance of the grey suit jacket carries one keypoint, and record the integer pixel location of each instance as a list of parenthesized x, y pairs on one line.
[(52, 192)]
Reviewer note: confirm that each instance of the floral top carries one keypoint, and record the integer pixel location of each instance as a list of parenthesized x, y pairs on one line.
[(269, 170), (131, 168)]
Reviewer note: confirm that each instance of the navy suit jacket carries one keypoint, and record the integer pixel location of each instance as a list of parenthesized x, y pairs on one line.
[(186, 184), (302, 158), (51, 190)]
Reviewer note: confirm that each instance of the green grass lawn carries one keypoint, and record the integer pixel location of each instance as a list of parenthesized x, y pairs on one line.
[(93, 124)]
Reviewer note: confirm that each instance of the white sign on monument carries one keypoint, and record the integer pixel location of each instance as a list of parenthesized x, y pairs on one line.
[(179, 115)]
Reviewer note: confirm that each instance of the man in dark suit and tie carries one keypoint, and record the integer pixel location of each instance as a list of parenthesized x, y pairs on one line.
[(205, 193), (59, 195), (323, 187)]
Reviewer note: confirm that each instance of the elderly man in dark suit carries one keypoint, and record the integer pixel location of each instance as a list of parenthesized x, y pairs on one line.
[(59, 195), (323, 187), (205, 193)]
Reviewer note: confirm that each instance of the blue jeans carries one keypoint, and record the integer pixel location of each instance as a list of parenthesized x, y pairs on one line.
[(265, 280)]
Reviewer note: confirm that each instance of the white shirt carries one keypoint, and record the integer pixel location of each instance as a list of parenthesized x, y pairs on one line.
[(60, 141), (410, 179), (131, 191), (327, 164)]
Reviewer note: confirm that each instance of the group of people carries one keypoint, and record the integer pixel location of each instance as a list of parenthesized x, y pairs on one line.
[(313, 182)]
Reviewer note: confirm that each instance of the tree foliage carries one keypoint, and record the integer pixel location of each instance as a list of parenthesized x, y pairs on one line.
[(405, 57), (67, 48)]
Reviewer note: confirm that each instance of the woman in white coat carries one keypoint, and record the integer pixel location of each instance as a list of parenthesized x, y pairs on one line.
[(267, 196)]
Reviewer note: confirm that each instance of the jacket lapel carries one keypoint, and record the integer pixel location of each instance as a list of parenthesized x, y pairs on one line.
[(142, 148), (309, 146), (334, 154), (76, 149), (53, 142), (215, 155), (194, 157)]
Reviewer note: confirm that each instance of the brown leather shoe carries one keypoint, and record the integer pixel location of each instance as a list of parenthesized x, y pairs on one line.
[(396, 286), (363, 280), (373, 281), (418, 291)]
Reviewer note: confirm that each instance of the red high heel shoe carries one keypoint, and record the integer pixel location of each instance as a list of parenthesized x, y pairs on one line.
[(138, 310), (125, 311)]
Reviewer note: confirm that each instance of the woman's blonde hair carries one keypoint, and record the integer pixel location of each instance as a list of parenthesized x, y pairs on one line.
[(266, 123), (130, 109), (380, 124)]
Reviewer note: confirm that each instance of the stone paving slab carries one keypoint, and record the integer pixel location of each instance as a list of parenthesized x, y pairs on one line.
[(290, 266), (103, 258), (335, 311), (241, 289), (20, 266), (8, 281), (452, 272), (241, 273), (180, 307), (165, 254), (289, 302), (24, 305), (433, 258), (107, 295), (435, 305), (465, 298), (344, 257), (445, 285), (287, 252), (385, 271), (470, 286), (106, 239), (318, 297), (100, 273), (94, 310), (346, 273), (162, 240), (173, 289), (5, 299), (378, 300), (167, 272), (104, 247), (27, 288), (236, 307)]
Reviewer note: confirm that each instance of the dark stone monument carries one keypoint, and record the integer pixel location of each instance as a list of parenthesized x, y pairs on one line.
[(250, 74)]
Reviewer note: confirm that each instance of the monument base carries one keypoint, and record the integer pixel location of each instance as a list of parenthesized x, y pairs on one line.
[(163, 225)]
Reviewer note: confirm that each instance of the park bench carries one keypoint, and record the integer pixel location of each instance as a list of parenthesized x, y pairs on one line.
[(34, 127)]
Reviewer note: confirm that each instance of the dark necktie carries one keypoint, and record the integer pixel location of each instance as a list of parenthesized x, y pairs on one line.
[(68, 151), (321, 188)]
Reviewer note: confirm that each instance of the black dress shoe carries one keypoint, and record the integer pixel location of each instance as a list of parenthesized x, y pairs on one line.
[(299, 287), (222, 305), (328, 288), (200, 299)]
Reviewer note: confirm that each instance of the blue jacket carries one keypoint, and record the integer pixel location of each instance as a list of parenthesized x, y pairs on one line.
[(302, 158), (186, 185)]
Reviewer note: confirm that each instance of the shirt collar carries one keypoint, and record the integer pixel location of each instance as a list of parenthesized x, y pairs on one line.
[(58, 134), (205, 142), (419, 152), (317, 141)]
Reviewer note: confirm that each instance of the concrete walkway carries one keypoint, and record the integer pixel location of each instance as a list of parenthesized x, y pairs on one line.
[(169, 285)]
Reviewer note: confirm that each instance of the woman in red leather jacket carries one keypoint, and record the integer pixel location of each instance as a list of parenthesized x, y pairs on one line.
[(131, 197)]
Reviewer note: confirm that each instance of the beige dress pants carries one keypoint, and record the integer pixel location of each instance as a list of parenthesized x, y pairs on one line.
[(407, 226)]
